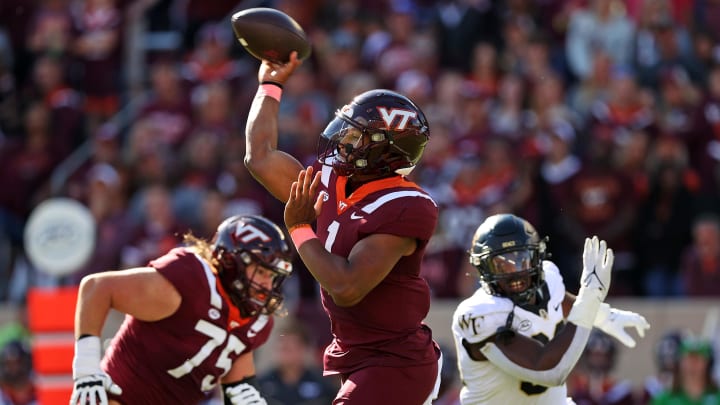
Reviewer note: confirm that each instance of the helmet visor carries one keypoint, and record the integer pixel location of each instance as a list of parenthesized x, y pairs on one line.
[(513, 271), (511, 263), (339, 139)]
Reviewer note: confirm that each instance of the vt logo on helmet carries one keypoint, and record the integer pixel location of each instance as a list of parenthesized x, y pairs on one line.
[(254, 259), (379, 133)]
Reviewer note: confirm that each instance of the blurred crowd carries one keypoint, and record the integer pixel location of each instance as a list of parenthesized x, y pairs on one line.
[(583, 116)]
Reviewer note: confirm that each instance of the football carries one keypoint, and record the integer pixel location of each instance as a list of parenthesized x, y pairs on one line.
[(267, 33)]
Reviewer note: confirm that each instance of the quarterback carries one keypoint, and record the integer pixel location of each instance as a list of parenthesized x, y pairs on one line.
[(361, 228)]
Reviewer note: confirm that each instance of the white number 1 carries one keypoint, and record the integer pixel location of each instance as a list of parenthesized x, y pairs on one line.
[(332, 234)]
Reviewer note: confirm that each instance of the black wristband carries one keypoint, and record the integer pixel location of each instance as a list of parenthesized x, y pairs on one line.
[(84, 335), (271, 82)]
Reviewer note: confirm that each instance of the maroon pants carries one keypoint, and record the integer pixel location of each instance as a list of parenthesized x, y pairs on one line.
[(388, 385)]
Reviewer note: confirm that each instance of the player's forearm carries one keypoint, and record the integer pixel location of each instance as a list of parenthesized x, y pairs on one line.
[(261, 131), (332, 272), (547, 365), (92, 307), (272, 168)]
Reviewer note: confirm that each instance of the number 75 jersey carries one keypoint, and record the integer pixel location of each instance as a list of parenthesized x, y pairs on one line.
[(479, 316), (177, 360)]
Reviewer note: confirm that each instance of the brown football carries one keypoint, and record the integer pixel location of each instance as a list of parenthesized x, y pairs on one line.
[(267, 33)]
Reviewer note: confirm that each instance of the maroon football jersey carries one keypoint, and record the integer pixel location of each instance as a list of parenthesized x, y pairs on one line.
[(385, 328), (178, 359)]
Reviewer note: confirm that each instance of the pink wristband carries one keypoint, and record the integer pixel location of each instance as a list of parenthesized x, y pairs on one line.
[(301, 234), (270, 90)]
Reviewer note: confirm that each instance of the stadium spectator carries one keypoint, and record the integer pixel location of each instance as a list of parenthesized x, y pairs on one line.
[(295, 376), (663, 227), (195, 316), (667, 356), (602, 25), (17, 382), (485, 70), (508, 115), (704, 152), (700, 266), (599, 200), (108, 206), (210, 59), (167, 104), (583, 94), (50, 31), (693, 383), (97, 45), (459, 25), (663, 44), (371, 235), (157, 227), (558, 165), (64, 103), (593, 381)]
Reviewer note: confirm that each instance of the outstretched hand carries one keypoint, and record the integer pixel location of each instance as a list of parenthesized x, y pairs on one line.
[(614, 321), (304, 204), (597, 266), (277, 72), (597, 261)]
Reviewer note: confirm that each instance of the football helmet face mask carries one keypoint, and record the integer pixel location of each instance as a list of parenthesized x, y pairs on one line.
[(508, 253), (242, 246), (379, 133)]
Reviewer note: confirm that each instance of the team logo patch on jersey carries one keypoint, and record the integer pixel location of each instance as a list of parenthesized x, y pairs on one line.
[(470, 322), (213, 313), (524, 325)]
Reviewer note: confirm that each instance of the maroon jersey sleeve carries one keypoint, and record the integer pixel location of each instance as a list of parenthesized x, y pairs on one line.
[(413, 216)]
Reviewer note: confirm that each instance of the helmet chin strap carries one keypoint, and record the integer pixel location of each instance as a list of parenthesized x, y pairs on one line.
[(506, 332)]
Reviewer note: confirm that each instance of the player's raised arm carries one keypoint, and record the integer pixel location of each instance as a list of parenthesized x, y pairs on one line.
[(273, 168)]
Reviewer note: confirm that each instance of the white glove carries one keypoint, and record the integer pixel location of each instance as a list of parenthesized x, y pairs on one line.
[(594, 282), (91, 383), (614, 321), (244, 394)]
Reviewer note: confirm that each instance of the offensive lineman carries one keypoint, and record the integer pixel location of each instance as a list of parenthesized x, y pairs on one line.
[(520, 334), (194, 318)]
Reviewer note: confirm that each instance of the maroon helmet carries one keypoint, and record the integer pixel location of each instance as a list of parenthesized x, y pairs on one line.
[(242, 240), (380, 133)]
